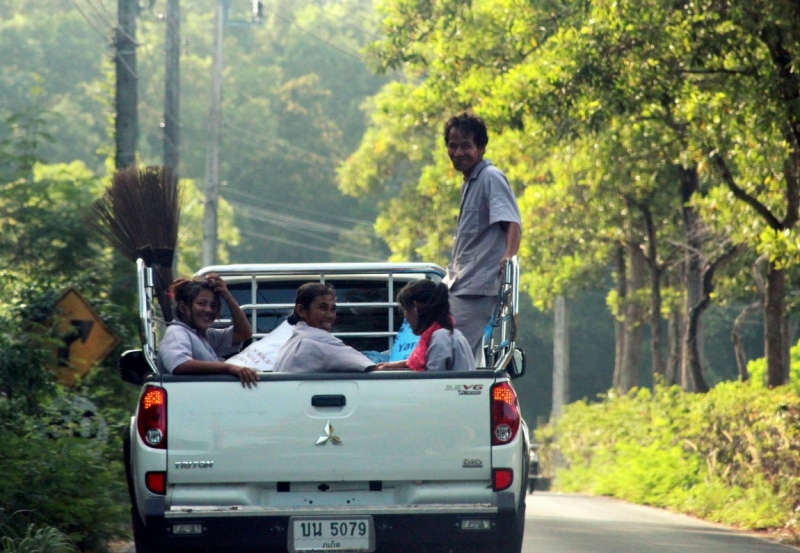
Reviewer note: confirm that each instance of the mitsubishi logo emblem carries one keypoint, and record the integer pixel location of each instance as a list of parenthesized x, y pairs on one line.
[(322, 440)]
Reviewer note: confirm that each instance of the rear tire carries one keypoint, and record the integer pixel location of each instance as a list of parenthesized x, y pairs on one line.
[(513, 543), (143, 541)]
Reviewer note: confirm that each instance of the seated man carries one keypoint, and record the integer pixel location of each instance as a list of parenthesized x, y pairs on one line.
[(312, 348)]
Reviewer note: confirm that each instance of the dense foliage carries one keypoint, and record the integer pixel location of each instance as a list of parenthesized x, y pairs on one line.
[(63, 480), (37, 540), (288, 117), (663, 132), (60, 462), (292, 94), (730, 455)]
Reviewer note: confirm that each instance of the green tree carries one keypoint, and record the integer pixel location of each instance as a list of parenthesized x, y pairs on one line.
[(293, 89), (55, 474), (689, 91)]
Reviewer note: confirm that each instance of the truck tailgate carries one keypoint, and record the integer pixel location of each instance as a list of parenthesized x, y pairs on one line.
[(410, 426)]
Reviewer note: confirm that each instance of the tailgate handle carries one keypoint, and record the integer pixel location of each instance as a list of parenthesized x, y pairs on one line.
[(328, 401)]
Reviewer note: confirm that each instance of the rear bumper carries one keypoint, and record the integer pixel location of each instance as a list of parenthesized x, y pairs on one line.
[(257, 532)]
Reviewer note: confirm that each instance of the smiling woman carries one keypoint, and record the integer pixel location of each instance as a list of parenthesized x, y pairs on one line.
[(191, 345)]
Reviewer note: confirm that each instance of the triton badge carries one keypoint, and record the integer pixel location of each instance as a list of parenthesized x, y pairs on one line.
[(322, 440), (194, 464)]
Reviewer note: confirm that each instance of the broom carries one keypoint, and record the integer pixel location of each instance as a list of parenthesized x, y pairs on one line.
[(139, 215)]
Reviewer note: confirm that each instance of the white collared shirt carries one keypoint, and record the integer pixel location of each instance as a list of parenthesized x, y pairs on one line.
[(181, 343)]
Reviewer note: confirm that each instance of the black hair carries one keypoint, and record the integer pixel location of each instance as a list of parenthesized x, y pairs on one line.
[(184, 290), (306, 295), (432, 304), (468, 123)]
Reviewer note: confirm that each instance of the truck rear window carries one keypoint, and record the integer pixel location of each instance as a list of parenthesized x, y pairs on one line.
[(352, 318)]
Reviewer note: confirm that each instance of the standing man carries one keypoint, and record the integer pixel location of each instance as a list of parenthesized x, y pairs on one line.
[(488, 229)]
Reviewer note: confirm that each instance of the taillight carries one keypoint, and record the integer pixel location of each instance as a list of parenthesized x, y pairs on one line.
[(156, 482), (505, 413), (502, 479), (152, 418)]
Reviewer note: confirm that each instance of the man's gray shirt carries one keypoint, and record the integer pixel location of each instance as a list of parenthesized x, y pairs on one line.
[(313, 350), (486, 201)]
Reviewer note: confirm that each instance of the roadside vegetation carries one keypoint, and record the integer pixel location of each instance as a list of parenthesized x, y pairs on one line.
[(731, 455), (289, 117), (63, 484)]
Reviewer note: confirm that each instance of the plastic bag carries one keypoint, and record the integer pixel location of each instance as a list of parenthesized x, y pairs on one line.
[(261, 355), (404, 343)]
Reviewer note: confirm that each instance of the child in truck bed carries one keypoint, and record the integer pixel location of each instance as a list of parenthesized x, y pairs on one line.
[(312, 348), (426, 307), (190, 344)]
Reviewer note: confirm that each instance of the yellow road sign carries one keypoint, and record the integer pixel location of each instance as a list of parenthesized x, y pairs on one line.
[(87, 339)]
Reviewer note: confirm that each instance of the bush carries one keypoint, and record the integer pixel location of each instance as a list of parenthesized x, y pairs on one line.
[(72, 483), (757, 368), (730, 455), (55, 474), (41, 540), (57, 470)]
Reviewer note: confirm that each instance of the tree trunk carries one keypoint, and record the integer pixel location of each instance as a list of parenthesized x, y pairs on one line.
[(694, 379), (675, 339), (773, 322), (560, 357), (694, 365), (655, 326), (693, 263), (791, 338), (738, 341), (634, 315), (786, 347), (657, 359), (619, 324)]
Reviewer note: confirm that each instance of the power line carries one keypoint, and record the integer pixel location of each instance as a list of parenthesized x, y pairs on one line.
[(302, 245), (106, 37), (290, 222), (111, 26), (89, 21), (316, 236), (356, 15), (343, 20), (102, 16), (332, 45), (105, 9), (304, 210), (273, 149), (278, 141)]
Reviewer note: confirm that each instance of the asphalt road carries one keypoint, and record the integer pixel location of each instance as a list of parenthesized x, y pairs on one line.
[(566, 523)]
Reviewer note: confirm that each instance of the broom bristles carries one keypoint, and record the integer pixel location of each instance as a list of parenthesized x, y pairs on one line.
[(139, 215)]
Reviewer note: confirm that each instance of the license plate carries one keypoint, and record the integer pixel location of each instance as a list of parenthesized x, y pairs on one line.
[(331, 534)]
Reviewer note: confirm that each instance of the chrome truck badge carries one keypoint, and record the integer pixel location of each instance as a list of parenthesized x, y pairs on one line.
[(194, 464), (322, 440)]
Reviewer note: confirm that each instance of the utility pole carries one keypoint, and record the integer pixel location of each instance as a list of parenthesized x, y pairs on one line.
[(172, 131), (126, 126), (209, 253), (560, 357)]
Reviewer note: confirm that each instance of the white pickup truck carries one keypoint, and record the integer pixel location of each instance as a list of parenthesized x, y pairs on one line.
[(361, 462)]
